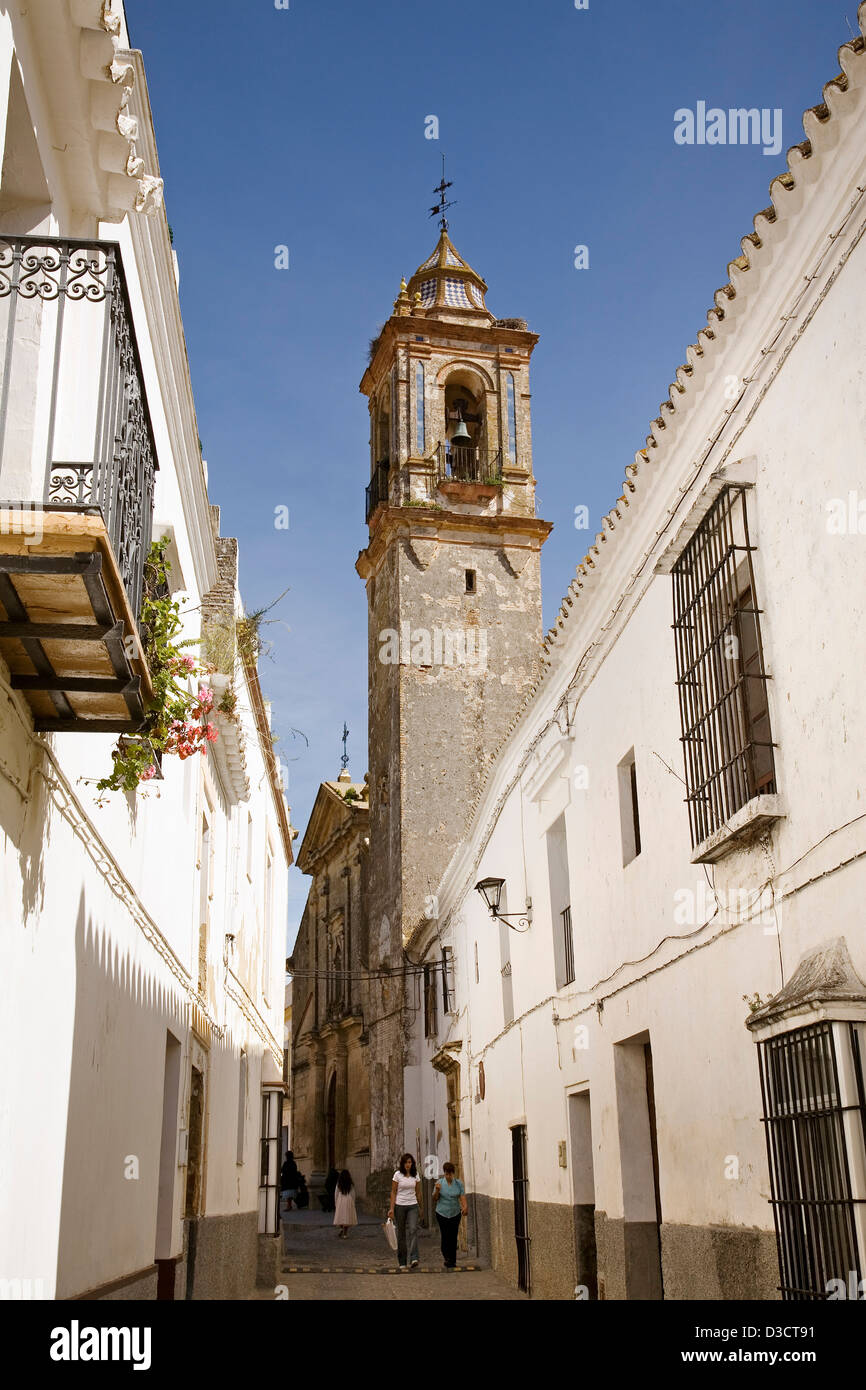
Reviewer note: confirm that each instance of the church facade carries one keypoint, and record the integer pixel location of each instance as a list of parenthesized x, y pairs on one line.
[(330, 1125)]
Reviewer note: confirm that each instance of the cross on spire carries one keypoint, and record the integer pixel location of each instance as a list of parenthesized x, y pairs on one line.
[(441, 207), (344, 761)]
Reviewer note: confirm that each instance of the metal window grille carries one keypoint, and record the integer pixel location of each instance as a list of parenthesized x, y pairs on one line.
[(269, 1169), (727, 742), (447, 1000), (430, 1001), (813, 1123), (567, 946)]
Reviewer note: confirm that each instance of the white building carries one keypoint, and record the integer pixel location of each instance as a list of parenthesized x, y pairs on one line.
[(143, 936), (594, 1071)]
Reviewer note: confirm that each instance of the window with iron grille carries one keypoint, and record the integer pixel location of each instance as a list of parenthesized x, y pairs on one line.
[(430, 1001), (815, 1119), (727, 742), (567, 946)]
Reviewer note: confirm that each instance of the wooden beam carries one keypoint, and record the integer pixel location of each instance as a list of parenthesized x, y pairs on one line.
[(56, 632), (49, 564), (93, 686), (87, 726)]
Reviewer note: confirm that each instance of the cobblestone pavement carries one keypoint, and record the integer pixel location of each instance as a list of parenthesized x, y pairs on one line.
[(317, 1265)]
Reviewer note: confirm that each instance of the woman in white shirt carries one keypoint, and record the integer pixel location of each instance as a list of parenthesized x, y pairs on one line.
[(405, 1210)]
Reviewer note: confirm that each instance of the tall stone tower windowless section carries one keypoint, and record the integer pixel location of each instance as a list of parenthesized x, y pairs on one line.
[(451, 658)]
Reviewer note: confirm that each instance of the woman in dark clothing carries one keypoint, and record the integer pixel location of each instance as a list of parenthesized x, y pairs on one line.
[(289, 1179)]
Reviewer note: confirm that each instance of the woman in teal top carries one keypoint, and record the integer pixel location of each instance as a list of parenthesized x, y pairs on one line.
[(450, 1204)]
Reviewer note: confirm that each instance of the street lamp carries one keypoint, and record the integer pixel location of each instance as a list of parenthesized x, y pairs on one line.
[(491, 891)]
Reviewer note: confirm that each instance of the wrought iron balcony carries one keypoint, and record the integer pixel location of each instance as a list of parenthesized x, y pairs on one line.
[(377, 488), (77, 466), (465, 463)]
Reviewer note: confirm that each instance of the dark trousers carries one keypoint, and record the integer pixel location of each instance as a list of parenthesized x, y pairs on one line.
[(406, 1220), (449, 1226)]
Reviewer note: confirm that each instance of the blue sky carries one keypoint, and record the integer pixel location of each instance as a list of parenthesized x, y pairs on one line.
[(306, 128)]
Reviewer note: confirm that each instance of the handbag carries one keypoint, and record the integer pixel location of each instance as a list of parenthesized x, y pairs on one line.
[(390, 1233)]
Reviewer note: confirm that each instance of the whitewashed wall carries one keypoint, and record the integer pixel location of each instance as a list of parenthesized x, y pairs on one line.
[(100, 904), (803, 422)]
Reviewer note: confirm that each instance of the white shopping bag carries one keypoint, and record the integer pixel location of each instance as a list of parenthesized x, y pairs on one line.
[(390, 1233)]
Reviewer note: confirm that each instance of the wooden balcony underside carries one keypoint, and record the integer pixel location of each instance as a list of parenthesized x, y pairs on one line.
[(65, 624)]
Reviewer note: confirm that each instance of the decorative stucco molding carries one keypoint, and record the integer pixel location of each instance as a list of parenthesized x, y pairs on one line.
[(229, 751), (824, 985), (110, 69), (516, 558), (423, 551)]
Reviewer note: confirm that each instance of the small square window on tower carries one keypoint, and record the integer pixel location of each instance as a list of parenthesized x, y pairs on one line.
[(470, 581)]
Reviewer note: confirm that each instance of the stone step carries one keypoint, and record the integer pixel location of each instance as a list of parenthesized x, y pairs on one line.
[(378, 1269)]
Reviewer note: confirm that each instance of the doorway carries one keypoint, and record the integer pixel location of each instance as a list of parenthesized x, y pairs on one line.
[(639, 1165), (520, 1179), (196, 1127), (167, 1170), (583, 1195)]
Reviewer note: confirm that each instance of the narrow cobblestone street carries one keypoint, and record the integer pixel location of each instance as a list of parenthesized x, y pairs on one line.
[(317, 1265)]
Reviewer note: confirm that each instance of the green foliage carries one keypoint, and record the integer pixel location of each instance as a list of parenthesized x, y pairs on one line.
[(755, 1002), (176, 719)]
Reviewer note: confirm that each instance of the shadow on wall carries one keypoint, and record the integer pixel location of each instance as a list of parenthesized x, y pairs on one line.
[(25, 824), (115, 1118)]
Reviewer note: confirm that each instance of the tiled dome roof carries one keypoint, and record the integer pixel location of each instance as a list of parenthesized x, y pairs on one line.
[(446, 281)]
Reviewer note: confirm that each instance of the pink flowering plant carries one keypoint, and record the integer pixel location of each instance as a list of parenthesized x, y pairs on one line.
[(178, 721)]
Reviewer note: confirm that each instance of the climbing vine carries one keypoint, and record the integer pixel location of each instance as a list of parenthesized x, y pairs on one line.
[(177, 719)]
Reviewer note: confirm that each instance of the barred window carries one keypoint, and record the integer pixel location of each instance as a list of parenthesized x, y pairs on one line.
[(727, 742), (815, 1118), (430, 1001)]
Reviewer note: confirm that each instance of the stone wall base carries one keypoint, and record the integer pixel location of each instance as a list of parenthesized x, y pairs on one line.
[(135, 1290), (269, 1262), (222, 1256), (697, 1262), (379, 1192), (720, 1262)]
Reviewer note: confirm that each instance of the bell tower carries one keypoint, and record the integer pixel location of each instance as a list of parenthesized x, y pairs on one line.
[(452, 569)]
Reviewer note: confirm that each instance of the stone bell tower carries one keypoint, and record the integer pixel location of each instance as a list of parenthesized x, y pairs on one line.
[(452, 569)]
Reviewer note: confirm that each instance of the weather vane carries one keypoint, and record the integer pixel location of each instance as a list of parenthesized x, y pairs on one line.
[(344, 761), (442, 206)]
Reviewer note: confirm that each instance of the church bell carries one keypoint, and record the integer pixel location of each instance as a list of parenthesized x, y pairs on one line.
[(461, 435)]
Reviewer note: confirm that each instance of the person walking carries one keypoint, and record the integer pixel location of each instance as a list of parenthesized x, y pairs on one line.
[(449, 1204), (289, 1180), (345, 1213), (406, 1209)]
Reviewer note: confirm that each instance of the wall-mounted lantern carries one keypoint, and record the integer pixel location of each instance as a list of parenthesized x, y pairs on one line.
[(491, 891)]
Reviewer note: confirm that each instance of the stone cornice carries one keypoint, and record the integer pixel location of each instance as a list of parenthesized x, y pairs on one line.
[(126, 180), (229, 752), (156, 272), (402, 330), (266, 743), (504, 530)]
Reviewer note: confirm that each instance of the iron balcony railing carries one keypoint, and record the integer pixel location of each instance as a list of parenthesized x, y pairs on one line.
[(465, 463), (377, 488), (73, 387)]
